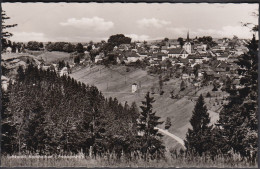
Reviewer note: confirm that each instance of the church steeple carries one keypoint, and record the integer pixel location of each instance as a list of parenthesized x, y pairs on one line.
[(188, 37)]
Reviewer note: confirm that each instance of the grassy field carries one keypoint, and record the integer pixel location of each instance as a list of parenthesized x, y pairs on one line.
[(116, 82), (79, 161), (53, 57)]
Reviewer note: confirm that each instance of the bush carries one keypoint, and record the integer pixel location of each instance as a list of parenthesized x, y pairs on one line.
[(127, 69), (168, 123)]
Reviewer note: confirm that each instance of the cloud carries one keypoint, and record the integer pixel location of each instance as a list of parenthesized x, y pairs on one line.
[(227, 31), (153, 22), (136, 37), (95, 23), (29, 36)]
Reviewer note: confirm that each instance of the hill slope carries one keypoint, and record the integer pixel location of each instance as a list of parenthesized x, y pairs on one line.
[(116, 82)]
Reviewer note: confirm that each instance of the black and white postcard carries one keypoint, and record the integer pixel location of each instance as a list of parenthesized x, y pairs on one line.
[(129, 85)]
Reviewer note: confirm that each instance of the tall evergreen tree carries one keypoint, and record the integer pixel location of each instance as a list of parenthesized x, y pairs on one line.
[(198, 138), (150, 140), (5, 34), (238, 119), (7, 125)]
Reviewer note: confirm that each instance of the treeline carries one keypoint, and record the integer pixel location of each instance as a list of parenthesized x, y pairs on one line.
[(45, 114), (64, 47)]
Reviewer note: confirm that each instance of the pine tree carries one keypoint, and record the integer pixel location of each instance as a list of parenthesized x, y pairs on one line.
[(7, 125), (150, 140), (198, 138), (238, 119), (4, 33)]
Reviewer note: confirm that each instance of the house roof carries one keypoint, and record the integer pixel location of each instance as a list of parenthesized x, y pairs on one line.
[(194, 57), (158, 55), (131, 54), (177, 51)]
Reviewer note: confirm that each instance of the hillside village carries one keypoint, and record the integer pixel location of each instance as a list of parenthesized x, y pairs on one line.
[(191, 59)]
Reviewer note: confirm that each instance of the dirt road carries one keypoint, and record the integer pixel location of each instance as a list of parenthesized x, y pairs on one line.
[(178, 139)]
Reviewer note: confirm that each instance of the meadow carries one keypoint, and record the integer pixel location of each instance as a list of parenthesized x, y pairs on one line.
[(109, 161)]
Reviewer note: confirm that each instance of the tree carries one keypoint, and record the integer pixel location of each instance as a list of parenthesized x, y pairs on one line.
[(5, 34), (20, 73), (68, 47), (198, 138), (166, 39), (61, 64), (77, 59), (79, 48), (181, 42), (33, 45), (196, 70), (239, 117), (215, 86), (182, 86), (233, 42), (119, 39), (168, 123), (7, 125), (151, 143)]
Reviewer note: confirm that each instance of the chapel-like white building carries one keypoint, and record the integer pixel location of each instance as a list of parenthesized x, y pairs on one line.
[(187, 44)]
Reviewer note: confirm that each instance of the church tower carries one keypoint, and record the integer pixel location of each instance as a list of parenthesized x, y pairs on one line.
[(187, 45)]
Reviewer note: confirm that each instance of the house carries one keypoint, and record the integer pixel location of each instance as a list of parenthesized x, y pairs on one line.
[(185, 76), (121, 59), (197, 59), (8, 50), (64, 71), (223, 57), (154, 63), (177, 52), (158, 56), (219, 70), (134, 87), (154, 48), (124, 47), (4, 82), (142, 55), (131, 57), (99, 57)]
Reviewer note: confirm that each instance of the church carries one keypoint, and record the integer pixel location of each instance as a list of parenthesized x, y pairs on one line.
[(187, 44)]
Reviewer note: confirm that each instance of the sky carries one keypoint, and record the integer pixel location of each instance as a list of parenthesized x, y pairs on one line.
[(83, 22)]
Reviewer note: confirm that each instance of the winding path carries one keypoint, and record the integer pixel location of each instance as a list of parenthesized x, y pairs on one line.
[(178, 139)]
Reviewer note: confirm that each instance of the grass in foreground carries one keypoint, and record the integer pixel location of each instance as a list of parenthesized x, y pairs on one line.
[(81, 161)]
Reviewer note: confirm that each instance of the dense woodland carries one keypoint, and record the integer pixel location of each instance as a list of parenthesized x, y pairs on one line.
[(46, 114)]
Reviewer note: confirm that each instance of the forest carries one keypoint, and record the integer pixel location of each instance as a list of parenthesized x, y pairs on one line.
[(46, 114)]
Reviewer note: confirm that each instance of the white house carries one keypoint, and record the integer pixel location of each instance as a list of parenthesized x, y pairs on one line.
[(134, 87), (8, 50), (177, 52), (99, 57), (132, 57), (64, 71), (4, 82), (142, 55)]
